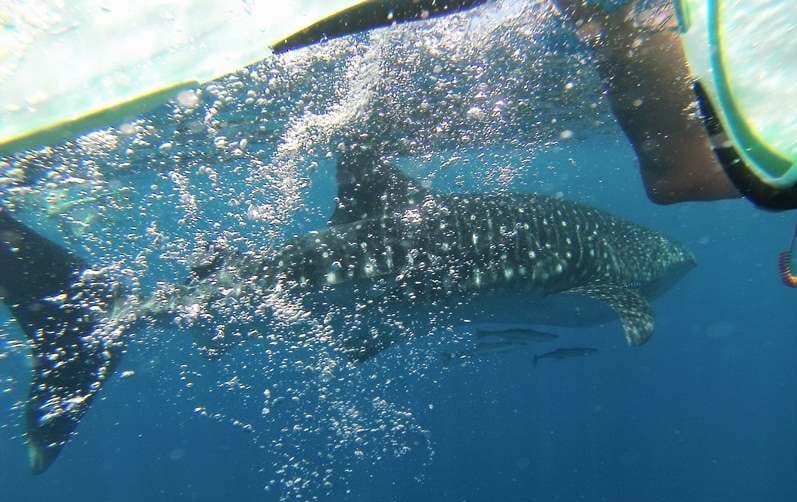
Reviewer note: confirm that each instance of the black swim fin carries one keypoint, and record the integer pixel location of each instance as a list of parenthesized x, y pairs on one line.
[(72, 353), (368, 15)]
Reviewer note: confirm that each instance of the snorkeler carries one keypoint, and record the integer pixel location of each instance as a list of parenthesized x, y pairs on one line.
[(651, 92), (642, 62), (671, 121)]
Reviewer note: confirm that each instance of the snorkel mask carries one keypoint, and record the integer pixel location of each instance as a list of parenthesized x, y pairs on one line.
[(743, 55)]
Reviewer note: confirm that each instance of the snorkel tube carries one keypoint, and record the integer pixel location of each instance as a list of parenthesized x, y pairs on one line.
[(743, 56)]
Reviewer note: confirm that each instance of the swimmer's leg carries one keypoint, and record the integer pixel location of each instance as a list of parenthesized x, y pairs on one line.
[(650, 93)]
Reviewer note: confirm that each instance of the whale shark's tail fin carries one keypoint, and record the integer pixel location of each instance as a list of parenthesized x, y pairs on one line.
[(71, 357)]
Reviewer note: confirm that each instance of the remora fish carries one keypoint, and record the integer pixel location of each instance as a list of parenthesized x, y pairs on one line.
[(566, 353), (522, 335), (392, 248), (482, 350)]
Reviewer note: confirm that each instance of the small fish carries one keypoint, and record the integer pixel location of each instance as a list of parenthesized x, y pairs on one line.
[(482, 350), (523, 335), (565, 353)]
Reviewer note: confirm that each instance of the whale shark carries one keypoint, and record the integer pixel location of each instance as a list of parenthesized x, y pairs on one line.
[(392, 250)]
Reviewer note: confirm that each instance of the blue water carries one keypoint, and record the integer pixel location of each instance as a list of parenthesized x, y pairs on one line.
[(703, 412)]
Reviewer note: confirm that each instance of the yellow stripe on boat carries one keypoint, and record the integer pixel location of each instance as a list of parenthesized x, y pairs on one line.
[(70, 67)]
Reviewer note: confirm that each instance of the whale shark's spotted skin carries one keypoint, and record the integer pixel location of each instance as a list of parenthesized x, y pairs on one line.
[(483, 243), (417, 249)]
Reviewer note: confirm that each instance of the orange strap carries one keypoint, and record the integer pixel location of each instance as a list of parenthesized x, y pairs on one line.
[(787, 273)]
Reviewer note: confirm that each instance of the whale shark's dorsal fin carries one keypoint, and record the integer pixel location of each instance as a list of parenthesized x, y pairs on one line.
[(369, 186)]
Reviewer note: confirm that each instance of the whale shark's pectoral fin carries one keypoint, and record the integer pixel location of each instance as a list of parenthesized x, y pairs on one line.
[(370, 329), (365, 344), (634, 310)]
